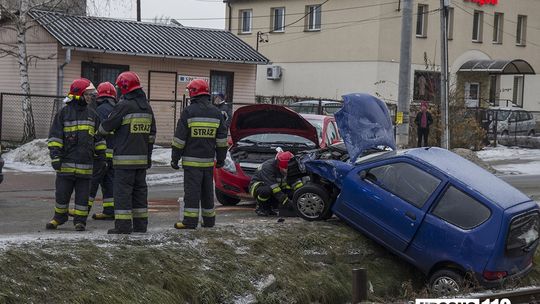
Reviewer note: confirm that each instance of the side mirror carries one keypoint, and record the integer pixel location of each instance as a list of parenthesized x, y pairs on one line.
[(363, 174)]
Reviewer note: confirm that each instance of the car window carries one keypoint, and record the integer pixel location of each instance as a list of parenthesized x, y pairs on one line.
[(513, 117), (460, 209), (331, 133), (406, 181), (318, 124), (502, 115), (523, 116), (332, 108)]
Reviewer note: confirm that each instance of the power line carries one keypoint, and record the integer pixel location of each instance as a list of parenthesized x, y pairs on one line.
[(353, 23), (268, 16)]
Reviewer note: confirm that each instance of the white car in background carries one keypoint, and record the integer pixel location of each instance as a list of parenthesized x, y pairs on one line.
[(512, 120)]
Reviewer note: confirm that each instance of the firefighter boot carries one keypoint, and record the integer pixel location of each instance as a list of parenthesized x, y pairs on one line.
[(180, 225), (80, 227), (53, 224), (103, 217)]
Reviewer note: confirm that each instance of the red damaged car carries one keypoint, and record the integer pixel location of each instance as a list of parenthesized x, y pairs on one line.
[(256, 132)]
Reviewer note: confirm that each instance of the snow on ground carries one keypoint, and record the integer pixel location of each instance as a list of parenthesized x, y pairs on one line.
[(500, 152), (30, 157), (512, 160), (161, 156), (165, 179)]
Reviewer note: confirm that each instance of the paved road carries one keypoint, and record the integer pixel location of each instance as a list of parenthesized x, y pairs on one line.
[(27, 202)]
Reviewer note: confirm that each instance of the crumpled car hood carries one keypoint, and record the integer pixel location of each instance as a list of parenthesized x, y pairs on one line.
[(364, 124)]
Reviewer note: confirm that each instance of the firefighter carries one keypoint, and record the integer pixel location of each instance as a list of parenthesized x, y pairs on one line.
[(73, 148), (104, 105), (270, 182), (200, 136), (134, 127)]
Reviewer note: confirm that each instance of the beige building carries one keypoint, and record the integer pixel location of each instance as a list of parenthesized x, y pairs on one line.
[(325, 49), (165, 57)]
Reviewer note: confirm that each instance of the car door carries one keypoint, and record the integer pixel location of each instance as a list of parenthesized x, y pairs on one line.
[(513, 121), (386, 200)]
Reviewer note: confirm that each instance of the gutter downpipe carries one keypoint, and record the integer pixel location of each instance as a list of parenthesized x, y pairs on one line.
[(230, 13), (60, 80)]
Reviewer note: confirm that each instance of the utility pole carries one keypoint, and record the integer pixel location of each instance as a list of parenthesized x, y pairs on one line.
[(138, 10), (402, 117), (444, 74)]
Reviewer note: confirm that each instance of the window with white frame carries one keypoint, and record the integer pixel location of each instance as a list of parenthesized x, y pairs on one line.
[(521, 30), (278, 19), (518, 90), (245, 21), (421, 21), (313, 20), (478, 21), (450, 23), (498, 19)]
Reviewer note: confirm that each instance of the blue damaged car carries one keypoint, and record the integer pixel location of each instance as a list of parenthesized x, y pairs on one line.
[(440, 212)]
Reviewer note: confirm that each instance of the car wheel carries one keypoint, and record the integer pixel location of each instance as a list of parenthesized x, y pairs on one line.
[(531, 133), (312, 203), (446, 282), (226, 200), (504, 133)]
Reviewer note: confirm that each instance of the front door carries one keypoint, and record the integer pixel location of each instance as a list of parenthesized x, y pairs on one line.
[(472, 94), (162, 96), (387, 200)]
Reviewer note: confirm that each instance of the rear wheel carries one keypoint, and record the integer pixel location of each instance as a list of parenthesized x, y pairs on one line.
[(504, 133), (446, 282), (226, 200), (312, 202), (531, 133)]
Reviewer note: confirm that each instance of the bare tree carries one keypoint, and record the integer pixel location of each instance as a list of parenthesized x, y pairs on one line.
[(15, 17)]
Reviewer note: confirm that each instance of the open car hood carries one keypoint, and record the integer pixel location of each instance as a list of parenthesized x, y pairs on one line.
[(364, 124), (268, 118)]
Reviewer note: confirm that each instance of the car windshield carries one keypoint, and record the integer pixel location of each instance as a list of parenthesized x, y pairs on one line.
[(318, 124), (277, 139)]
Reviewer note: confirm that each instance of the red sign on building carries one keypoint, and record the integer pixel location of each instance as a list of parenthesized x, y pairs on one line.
[(484, 2)]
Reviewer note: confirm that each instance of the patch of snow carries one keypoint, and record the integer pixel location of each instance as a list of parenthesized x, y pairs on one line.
[(30, 157), (246, 299), (165, 178), (265, 283), (530, 168), (161, 156), (508, 153), (315, 252)]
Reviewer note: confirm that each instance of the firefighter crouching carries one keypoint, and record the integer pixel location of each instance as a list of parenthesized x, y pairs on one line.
[(200, 136), (134, 127), (73, 146), (104, 105), (269, 184)]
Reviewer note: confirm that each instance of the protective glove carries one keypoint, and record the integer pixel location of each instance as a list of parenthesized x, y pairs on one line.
[(56, 164), (220, 164), (174, 164)]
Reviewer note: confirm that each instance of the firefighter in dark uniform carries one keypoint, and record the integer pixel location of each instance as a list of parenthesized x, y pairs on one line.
[(270, 182), (134, 127), (200, 136), (74, 147), (104, 105)]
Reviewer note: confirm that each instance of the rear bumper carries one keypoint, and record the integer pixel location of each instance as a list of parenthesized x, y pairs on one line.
[(498, 283)]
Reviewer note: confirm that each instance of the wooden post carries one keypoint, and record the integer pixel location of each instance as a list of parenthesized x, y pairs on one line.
[(359, 285)]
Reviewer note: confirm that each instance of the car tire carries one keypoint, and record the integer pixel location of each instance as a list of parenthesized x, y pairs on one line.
[(312, 203), (531, 133), (226, 200), (504, 133), (446, 282)]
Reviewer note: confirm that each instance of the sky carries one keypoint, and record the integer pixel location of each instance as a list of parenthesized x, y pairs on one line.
[(209, 13)]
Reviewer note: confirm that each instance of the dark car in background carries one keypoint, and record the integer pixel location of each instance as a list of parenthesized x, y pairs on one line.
[(321, 107)]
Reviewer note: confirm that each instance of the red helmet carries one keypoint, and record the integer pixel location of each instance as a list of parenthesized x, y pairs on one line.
[(78, 87), (283, 159), (198, 87), (127, 82), (106, 89)]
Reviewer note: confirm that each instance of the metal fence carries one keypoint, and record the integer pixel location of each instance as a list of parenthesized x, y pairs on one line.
[(11, 114)]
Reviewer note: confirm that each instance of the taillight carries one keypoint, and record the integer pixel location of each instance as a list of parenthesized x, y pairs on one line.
[(494, 275)]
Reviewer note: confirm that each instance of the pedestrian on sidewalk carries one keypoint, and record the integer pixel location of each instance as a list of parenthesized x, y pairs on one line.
[(201, 136), (423, 121), (134, 127), (74, 148)]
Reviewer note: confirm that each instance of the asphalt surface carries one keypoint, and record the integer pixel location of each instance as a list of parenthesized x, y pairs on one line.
[(27, 203)]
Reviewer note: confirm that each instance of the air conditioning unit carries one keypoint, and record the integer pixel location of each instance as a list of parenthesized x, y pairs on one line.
[(273, 72)]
